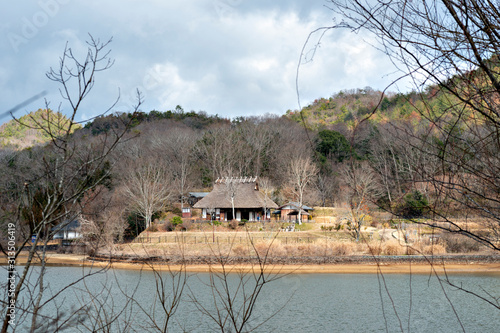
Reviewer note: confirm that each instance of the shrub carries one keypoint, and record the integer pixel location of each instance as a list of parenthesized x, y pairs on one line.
[(414, 250), (233, 224), (413, 205), (240, 250), (434, 249), (375, 249), (342, 249), (176, 220), (152, 228), (167, 226), (455, 243), (393, 248), (263, 248), (187, 225)]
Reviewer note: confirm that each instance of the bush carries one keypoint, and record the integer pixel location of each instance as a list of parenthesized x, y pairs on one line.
[(456, 243), (342, 249), (176, 220), (434, 249), (233, 224), (240, 250), (413, 205), (135, 225), (187, 225), (167, 226), (393, 248), (152, 228), (375, 248)]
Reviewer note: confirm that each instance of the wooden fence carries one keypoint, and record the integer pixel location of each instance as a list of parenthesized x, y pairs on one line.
[(217, 239)]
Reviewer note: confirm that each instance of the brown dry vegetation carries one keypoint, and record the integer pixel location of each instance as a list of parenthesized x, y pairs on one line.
[(282, 244), (318, 239)]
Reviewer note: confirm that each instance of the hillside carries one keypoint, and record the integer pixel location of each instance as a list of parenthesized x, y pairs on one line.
[(348, 107), (33, 129)]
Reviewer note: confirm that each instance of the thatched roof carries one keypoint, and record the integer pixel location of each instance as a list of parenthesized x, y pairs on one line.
[(295, 205), (246, 195)]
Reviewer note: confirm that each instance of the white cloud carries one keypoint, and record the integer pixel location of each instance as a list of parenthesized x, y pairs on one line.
[(231, 57)]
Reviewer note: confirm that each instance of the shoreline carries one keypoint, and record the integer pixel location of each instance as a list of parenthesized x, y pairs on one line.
[(341, 265)]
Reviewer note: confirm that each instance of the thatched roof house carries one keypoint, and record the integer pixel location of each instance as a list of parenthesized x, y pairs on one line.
[(249, 203)]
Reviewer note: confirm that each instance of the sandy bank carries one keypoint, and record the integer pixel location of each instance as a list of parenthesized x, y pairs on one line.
[(342, 265)]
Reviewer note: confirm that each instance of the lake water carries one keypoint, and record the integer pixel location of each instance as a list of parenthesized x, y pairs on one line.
[(308, 302)]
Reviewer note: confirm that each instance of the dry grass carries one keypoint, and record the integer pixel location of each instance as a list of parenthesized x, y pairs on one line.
[(393, 248), (435, 249), (299, 244), (343, 248)]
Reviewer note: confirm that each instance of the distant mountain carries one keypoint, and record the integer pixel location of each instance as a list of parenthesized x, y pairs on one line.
[(33, 129)]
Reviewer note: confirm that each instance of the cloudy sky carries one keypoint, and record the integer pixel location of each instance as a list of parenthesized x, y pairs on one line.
[(226, 57)]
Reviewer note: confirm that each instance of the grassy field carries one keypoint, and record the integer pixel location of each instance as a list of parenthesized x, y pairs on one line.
[(320, 238)]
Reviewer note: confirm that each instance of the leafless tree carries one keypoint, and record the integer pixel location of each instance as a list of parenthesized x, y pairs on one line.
[(231, 190), (235, 291), (148, 190), (362, 189), (53, 192), (326, 186), (175, 148), (170, 284), (101, 221), (216, 150), (450, 50), (258, 135), (267, 188), (302, 171)]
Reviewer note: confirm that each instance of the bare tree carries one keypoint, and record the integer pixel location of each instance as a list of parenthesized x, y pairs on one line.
[(176, 148), (231, 190), (450, 50), (266, 187), (53, 193), (258, 135), (235, 292), (148, 190), (216, 150), (302, 171), (362, 189), (101, 220)]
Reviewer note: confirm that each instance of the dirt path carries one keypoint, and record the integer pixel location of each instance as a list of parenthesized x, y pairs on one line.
[(478, 264)]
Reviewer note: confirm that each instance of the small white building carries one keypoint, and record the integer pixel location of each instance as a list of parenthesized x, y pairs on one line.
[(67, 231)]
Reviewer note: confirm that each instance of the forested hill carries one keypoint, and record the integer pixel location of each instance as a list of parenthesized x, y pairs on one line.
[(27, 130), (194, 120), (348, 107)]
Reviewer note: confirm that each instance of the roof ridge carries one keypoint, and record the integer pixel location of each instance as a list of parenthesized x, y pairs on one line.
[(242, 180)]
